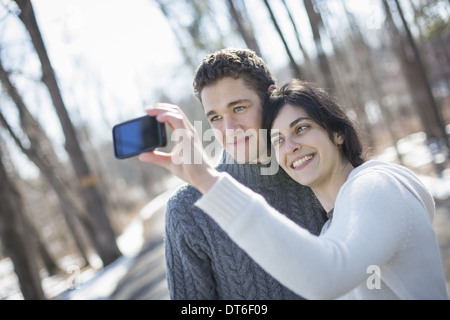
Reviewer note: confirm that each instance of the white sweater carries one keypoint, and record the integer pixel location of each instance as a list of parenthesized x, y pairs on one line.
[(380, 243)]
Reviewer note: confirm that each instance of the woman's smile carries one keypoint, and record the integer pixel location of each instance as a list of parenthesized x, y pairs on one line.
[(302, 161)]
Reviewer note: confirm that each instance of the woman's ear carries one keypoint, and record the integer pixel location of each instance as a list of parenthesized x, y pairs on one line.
[(339, 137)]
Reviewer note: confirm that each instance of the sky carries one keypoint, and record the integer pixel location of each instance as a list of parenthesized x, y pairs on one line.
[(128, 45), (120, 51), (127, 40), (112, 57)]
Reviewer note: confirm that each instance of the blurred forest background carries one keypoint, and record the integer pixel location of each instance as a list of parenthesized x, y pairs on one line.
[(64, 198)]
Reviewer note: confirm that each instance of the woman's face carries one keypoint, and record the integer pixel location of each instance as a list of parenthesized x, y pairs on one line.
[(303, 148)]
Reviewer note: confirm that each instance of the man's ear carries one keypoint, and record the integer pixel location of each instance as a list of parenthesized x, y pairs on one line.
[(271, 88)]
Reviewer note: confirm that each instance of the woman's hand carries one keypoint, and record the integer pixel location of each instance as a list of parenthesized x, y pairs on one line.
[(187, 159)]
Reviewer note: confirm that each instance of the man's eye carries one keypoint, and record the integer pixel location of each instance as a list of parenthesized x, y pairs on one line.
[(239, 109)]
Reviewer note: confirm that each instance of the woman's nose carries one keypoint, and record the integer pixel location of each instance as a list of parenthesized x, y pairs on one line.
[(292, 146)]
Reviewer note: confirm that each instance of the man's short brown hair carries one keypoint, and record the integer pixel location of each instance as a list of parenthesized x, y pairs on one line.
[(234, 63)]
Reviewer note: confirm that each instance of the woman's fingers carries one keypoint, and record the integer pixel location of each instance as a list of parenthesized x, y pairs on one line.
[(170, 114), (187, 150), (159, 108), (162, 159)]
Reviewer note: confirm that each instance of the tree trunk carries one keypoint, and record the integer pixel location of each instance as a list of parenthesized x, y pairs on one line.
[(103, 235), (15, 236), (315, 22), (295, 67), (422, 99), (436, 115), (173, 23), (365, 59), (49, 262), (244, 27), (42, 154), (309, 70)]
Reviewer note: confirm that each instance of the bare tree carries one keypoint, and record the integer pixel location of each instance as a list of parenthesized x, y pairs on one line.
[(174, 25), (347, 75), (195, 26), (308, 71), (15, 236), (239, 14), (436, 113), (418, 84), (48, 260), (316, 23), (366, 63), (103, 235), (42, 154), (295, 67), (433, 26)]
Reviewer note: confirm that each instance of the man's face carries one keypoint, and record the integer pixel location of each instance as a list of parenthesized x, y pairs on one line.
[(235, 111)]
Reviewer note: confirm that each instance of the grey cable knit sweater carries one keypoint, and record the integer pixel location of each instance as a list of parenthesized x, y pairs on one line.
[(204, 263)]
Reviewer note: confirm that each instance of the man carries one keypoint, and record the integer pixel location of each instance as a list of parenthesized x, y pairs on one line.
[(202, 261)]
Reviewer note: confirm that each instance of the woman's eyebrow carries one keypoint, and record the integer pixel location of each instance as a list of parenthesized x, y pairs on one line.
[(210, 113), (275, 133), (293, 123)]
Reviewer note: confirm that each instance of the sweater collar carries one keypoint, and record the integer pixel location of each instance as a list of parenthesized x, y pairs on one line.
[(253, 174)]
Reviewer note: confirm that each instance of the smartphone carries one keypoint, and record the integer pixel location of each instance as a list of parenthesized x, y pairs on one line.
[(138, 135)]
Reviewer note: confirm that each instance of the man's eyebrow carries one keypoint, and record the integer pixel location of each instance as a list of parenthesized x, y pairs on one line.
[(239, 101), (229, 105), (210, 113)]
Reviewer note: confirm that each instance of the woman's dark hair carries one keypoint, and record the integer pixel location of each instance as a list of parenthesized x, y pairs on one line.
[(322, 108)]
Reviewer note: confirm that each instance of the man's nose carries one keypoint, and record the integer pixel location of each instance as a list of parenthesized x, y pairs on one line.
[(231, 124)]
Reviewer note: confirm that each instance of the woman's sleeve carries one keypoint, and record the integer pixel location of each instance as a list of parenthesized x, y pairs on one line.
[(365, 230)]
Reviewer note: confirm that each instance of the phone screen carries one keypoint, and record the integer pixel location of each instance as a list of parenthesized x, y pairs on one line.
[(138, 135)]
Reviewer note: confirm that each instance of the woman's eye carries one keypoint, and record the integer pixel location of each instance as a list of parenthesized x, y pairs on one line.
[(239, 109), (301, 128), (215, 118), (277, 142)]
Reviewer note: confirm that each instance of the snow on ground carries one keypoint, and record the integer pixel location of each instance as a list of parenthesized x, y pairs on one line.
[(415, 155), (101, 284), (76, 284), (93, 283)]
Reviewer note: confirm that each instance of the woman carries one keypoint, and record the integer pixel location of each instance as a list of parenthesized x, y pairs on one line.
[(378, 242)]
